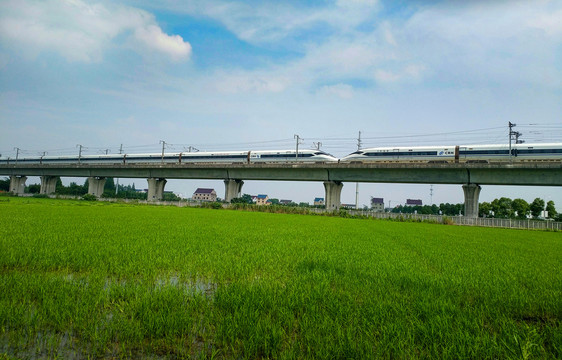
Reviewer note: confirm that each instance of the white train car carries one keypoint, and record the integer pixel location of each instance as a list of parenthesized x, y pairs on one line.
[(460, 153), (305, 155), (221, 157), (403, 154), (519, 153)]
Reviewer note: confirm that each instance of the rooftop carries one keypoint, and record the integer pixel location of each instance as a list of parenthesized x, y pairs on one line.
[(203, 191)]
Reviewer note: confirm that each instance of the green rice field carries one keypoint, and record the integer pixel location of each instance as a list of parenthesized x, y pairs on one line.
[(84, 280)]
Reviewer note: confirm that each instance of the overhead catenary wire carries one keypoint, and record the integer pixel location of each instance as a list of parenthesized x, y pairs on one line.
[(534, 132)]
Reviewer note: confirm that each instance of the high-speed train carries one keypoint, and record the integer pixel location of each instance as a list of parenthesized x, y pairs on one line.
[(459, 153), (228, 157)]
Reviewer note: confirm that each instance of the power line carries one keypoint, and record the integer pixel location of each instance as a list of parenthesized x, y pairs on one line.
[(539, 132)]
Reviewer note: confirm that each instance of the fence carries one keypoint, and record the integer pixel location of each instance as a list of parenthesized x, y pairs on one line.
[(462, 220)]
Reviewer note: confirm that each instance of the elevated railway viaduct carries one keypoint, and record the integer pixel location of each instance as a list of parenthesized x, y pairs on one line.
[(470, 175)]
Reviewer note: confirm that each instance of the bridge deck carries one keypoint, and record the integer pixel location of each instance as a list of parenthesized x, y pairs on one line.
[(528, 173)]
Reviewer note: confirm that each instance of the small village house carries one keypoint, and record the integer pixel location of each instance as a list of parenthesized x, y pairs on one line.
[(203, 194), (319, 201), (262, 199), (377, 204)]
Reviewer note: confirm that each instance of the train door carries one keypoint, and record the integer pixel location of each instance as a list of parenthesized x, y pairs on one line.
[(456, 154), (395, 154)]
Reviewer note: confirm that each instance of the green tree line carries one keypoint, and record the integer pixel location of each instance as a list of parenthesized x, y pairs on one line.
[(74, 189), (504, 208)]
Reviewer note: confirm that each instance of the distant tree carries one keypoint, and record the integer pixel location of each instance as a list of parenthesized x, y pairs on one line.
[(72, 189), (127, 192), (169, 196), (551, 209), (5, 184), (244, 199), (274, 201), (426, 210), (435, 209), (33, 189), (59, 186), (304, 204), (451, 209), (537, 206), (502, 208), (521, 207), (109, 185), (484, 209)]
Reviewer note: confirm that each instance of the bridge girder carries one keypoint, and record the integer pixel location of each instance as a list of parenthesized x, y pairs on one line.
[(534, 174)]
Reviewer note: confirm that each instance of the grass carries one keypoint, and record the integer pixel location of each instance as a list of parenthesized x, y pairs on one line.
[(91, 279)]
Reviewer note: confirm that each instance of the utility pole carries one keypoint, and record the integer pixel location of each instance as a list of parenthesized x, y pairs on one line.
[(163, 147), (357, 184), (431, 193), (79, 152), (299, 141), (513, 135), (17, 153), (117, 180)]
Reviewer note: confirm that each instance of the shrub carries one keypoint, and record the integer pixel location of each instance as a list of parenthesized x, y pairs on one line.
[(89, 197)]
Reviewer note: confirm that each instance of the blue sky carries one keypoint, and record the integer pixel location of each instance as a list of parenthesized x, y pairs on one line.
[(222, 75)]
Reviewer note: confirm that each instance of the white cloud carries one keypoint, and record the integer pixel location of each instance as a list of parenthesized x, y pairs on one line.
[(249, 82), (386, 76), (408, 73), (81, 31), (481, 43), (268, 22), (550, 23), (343, 91), (153, 37)]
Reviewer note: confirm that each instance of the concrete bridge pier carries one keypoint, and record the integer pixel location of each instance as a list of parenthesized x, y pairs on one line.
[(95, 185), (155, 189), (48, 184), (232, 189), (17, 184), (471, 195), (333, 194)]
